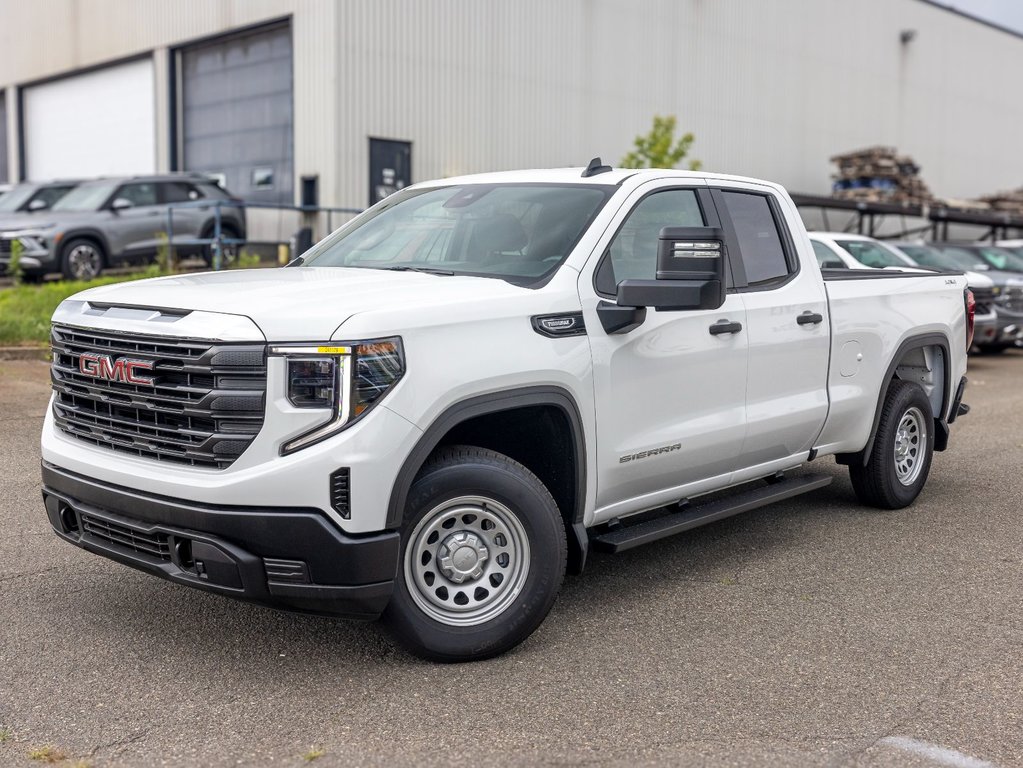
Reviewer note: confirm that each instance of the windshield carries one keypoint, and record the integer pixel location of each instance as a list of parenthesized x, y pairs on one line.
[(1001, 258), (517, 232), (87, 197), (965, 258), (871, 254), (927, 256), (13, 200)]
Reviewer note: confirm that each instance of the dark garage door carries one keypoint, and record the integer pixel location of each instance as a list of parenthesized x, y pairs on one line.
[(236, 103), (3, 137)]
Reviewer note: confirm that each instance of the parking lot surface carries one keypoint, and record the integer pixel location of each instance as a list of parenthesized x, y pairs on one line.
[(813, 633)]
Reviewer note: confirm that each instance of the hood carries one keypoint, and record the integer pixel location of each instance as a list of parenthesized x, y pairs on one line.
[(21, 222), (42, 220), (300, 303)]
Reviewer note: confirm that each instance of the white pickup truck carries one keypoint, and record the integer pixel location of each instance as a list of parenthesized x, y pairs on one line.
[(440, 408)]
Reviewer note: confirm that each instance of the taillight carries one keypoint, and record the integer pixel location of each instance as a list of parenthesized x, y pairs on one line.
[(971, 313)]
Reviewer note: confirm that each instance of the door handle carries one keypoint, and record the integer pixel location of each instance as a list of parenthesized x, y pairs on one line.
[(725, 326), (810, 318)]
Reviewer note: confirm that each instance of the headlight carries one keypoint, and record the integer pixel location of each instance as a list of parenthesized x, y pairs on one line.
[(347, 380), (32, 242), (996, 290)]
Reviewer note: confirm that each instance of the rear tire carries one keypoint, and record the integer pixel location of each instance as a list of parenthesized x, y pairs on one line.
[(903, 447), (483, 557), (82, 259), (228, 254)]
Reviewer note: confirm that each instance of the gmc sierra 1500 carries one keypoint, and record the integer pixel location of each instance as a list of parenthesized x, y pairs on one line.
[(442, 406)]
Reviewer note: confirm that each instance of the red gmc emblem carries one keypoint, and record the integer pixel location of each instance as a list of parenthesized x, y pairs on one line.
[(125, 369)]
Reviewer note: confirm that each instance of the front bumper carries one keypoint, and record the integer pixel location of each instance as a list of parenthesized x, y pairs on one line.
[(285, 557)]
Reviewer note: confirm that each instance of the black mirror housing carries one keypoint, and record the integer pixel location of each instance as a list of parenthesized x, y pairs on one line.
[(690, 272)]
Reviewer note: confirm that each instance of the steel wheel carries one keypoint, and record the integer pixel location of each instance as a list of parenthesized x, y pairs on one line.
[(910, 437), (467, 561), (84, 261)]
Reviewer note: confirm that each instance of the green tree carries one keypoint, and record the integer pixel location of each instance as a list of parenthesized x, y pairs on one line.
[(659, 148)]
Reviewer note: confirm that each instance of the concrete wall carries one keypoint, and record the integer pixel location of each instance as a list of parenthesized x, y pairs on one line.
[(770, 88)]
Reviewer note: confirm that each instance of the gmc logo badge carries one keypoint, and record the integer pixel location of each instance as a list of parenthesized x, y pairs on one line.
[(125, 369)]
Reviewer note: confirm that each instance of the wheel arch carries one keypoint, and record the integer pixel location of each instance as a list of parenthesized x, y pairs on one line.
[(86, 233), (909, 356), (471, 417)]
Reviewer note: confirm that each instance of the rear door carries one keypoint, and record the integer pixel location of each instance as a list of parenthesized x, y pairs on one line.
[(186, 216), (670, 395), (787, 326)]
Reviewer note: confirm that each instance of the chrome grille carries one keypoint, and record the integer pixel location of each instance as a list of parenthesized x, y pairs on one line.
[(203, 409), (1012, 299)]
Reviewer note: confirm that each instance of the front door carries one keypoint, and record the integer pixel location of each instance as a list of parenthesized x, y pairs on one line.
[(670, 395), (136, 230)]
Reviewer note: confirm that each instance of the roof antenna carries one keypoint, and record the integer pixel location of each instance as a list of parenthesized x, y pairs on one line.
[(595, 167)]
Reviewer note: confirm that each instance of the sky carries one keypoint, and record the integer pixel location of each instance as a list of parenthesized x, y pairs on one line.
[(1007, 13)]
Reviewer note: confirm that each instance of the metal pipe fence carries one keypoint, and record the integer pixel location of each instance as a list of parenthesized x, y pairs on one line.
[(220, 244)]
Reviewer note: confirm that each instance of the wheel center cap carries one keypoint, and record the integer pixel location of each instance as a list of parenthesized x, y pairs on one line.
[(461, 556)]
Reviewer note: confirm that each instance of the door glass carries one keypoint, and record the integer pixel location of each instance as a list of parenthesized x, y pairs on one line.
[(139, 194), (633, 252), (179, 192), (759, 241), (825, 258)]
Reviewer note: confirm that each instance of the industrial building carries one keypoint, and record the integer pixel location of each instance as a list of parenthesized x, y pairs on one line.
[(341, 101)]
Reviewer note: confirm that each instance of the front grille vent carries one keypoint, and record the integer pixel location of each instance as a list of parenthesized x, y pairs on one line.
[(204, 407), (155, 545), (340, 492)]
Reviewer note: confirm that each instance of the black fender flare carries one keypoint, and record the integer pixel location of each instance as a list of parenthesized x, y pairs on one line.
[(482, 405), (941, 426)]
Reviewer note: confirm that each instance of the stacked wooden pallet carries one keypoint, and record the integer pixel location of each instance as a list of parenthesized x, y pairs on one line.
[(879, 175), (1011, 202)]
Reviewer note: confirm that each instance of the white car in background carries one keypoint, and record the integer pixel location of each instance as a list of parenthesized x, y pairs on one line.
[(842, 250)]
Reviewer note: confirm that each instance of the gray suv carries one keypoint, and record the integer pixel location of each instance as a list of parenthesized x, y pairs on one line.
[(118, 221)]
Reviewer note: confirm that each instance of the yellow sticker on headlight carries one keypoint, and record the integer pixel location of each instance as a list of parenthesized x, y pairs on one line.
[(334, 350)]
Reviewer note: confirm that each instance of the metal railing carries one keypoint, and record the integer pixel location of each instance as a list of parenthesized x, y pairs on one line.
[(218, 242)]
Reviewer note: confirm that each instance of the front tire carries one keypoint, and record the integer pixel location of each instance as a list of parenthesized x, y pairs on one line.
[(482, 557), (903, 447), (82, 259)]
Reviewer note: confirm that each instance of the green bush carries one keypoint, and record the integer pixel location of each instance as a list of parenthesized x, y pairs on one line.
[(25, 310)]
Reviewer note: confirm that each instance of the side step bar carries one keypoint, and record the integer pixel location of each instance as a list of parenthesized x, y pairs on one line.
[(628, 536)]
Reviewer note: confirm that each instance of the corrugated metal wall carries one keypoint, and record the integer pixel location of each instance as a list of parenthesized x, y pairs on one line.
[(770, 88)]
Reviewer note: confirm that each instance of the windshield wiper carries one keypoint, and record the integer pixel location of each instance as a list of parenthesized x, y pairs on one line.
[(427, 270)]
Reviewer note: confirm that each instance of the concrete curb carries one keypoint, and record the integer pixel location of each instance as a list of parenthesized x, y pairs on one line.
[(24, 353)]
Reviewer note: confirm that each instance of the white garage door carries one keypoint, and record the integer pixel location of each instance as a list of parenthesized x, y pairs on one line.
[(95, 124)]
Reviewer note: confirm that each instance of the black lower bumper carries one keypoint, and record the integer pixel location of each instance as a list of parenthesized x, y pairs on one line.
[(291, 558)]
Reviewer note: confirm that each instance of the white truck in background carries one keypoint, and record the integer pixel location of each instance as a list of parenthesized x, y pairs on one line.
[(440, 408)]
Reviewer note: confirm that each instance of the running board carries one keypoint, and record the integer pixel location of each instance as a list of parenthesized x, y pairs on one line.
[(628, 536)]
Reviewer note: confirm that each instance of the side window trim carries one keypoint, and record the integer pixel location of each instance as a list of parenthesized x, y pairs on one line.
[(732, 240), (708, 209)]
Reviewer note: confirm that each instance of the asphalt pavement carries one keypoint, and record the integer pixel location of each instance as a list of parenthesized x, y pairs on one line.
[(812, 633)]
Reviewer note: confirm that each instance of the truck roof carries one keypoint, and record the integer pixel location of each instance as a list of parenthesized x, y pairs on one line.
[(574, 176)]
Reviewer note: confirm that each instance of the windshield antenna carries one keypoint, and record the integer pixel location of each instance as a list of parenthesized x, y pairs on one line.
[(595, 167)]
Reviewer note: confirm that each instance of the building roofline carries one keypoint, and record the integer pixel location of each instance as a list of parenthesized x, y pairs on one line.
[(993, 25)]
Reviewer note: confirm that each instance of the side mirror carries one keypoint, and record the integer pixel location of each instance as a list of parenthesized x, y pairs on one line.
[(37, 205), (690, 272), (120, 204)]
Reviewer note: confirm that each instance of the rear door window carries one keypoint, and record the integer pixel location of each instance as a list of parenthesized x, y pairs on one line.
[(760, 243), (179, 192)]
